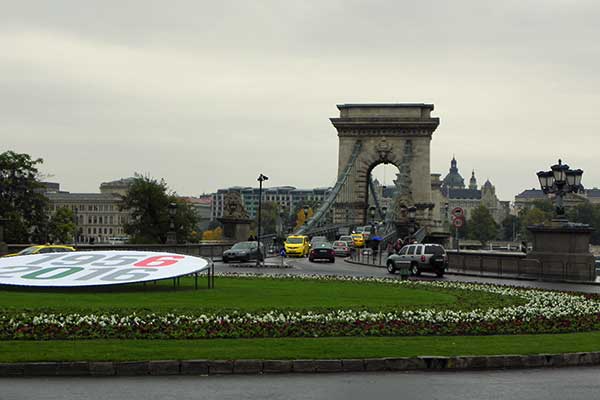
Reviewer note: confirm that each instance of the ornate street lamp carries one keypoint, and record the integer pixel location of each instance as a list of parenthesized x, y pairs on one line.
[(559, 181), (261, 179), (372, 214)]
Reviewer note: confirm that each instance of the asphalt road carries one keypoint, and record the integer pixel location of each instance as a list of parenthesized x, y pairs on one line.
[(546, 384), (341, 267)]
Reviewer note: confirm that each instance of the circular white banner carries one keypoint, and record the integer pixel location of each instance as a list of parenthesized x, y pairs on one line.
[(93, 268)]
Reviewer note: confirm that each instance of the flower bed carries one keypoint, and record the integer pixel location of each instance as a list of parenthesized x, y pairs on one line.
[(543, 312)]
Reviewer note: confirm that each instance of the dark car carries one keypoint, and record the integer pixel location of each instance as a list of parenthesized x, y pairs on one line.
[(244, 251), (422, 258), (322, 251)]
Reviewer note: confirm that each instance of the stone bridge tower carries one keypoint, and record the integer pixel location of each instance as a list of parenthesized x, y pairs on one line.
[(398, 134)]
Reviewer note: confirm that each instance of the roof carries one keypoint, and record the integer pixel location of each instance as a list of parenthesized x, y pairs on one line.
[(592, 192), (531, 194), (63, 196), (196, 200), (119, 182), (464, 194), (385, 105)]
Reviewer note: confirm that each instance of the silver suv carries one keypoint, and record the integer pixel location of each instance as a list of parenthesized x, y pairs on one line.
[(422, 257)]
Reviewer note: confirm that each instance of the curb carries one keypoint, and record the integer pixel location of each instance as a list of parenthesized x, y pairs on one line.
[(258, 367)]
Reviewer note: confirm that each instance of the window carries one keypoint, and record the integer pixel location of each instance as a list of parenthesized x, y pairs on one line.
[(403, 250), (435, 250), (411, 250)]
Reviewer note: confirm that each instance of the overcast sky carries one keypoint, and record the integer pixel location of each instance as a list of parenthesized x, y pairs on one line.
[(208, 94)]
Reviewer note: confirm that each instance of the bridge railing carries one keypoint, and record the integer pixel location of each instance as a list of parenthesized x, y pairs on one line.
[(322, 211)]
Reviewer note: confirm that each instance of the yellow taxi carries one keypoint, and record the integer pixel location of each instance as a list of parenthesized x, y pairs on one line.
[(297, 246), (43, 249), (358, 239)]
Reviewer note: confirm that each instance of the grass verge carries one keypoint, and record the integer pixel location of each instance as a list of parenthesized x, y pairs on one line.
[(246, 295), (295, 348)]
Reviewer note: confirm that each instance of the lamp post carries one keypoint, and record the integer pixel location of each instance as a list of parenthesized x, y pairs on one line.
[(172, 235), (261, 179), (559, 181), (305, 209), (372, 214)]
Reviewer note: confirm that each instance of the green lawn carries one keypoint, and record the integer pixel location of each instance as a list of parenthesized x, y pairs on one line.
[(295, 348), (246, 294)]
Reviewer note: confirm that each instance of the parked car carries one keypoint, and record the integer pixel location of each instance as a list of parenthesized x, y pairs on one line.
[(296, 246), (244, 251), (422, 257), (323, 251), (342, 248), (42, 249)]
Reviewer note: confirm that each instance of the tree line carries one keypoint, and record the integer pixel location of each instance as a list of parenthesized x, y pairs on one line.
[(27, 217), (481, 225)]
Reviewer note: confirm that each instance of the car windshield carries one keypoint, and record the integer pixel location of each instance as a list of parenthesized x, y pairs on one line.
[(295, 240), (324, 244), (340, 243), (28, 250), (435, 250), (244, 245), (345, 238)]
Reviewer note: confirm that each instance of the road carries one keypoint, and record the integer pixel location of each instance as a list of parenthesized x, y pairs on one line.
[(547, 384), (302, 266)]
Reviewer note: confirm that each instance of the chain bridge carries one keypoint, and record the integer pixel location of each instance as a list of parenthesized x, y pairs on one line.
[(370, 135)]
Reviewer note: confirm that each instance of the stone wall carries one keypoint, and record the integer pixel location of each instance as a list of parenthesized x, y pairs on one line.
[(196, 249)]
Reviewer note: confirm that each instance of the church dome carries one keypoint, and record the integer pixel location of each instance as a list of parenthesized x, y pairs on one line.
[(453, 180)]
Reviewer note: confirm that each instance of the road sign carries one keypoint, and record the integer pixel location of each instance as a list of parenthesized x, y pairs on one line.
[(458, 222), (458, 212)]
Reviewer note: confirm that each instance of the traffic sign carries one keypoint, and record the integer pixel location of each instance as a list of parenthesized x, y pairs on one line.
[(458, 212), (458, 222)]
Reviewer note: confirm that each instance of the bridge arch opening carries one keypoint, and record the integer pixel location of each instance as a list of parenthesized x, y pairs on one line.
[(380, 190)]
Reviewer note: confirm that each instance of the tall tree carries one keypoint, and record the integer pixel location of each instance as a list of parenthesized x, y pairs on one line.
[(62, 227), (532, 216), (148, 201), (22, 204), (269, 217), (509, 228), (481, 225), (587, 214)]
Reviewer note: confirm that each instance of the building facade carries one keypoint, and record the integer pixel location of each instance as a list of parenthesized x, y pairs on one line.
[(527, 197), (97, 215), (287, 197), (454, 193)]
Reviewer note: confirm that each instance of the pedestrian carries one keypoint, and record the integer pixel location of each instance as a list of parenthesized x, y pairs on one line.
[(389, 248), (398, 245)]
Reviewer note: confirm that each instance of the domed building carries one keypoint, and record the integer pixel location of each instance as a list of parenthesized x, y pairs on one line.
[(454, 193), (453, 180)]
